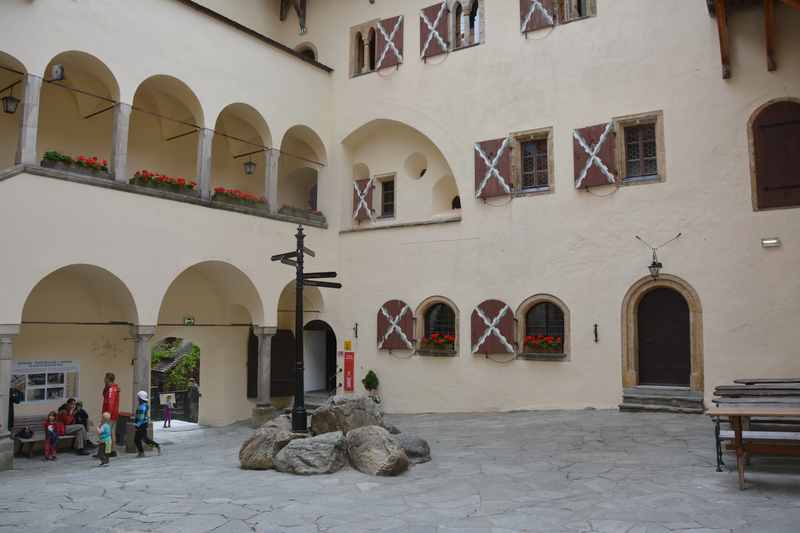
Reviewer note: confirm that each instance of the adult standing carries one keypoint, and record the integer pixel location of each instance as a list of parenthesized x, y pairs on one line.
[(142, 423), (194, 400), (66, 416), (111, 406)]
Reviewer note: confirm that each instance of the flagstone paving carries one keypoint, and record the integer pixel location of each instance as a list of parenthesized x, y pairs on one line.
[(561, 471)]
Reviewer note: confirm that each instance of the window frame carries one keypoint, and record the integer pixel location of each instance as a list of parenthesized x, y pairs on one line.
[(640, 119), (565, 6), (517, 138), (521, 316), (455, 23), (380, 180), (420, 316), (364, 29)]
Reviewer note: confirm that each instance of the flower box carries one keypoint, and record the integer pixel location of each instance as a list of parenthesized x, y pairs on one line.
[(438, 344), (308, 214), (544, 344), (154, 180), (88, 166), (237, 197)]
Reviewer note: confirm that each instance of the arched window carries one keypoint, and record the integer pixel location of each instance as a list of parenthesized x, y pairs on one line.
[(475, 23), (359, 66), (776, 154), (373, 51), (440, 319), (544, 328), (456, 203), (459, 25)]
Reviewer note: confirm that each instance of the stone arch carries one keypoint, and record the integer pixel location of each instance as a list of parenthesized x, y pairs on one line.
[(528, 304), (630, 303), (11, 71)]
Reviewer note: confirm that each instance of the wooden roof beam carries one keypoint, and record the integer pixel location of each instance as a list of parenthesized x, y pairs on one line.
[(793, 3), (721, 12)]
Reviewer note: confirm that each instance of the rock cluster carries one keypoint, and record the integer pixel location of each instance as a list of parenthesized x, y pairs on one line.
[(346, 429)]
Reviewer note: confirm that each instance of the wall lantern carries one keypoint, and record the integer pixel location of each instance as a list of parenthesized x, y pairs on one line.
[(10, 104), (249, 167), (655, 266), (771, 242)]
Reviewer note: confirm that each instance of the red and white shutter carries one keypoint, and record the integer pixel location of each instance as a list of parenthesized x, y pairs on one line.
[(395, 326), (536, 14), (492, 328), (493, 168), (595, 153), (434, 26), (362, 199), (390, 42)]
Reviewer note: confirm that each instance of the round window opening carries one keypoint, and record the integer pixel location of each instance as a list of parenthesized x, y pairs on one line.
[(416, 165)]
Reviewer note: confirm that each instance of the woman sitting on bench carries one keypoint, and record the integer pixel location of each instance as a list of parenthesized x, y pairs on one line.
[(66, 416)]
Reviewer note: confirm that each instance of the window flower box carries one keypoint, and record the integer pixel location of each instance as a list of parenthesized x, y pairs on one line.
[(237, 197), (309, 214), (438, 344), (544, 344), (88, 166), (154, 180)]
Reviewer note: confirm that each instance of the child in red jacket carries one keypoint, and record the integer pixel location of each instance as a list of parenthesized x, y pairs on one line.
[(52, 429)]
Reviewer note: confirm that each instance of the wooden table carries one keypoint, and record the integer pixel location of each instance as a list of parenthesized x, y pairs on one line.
[(765, 381), (739, 414)]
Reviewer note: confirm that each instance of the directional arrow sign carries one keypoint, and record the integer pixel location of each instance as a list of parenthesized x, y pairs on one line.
[(310, 252), (281, 257), (327, 284), (319, 275)]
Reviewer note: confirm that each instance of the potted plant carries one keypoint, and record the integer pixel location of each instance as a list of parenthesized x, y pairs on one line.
[(438, 342), (235, 196), (154, 180), (544, 344), (90, 166), (371, 383)]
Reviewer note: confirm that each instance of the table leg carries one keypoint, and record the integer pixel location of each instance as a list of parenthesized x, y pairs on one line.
[(737, 442)]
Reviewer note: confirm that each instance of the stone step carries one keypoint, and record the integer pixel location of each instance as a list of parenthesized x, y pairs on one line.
[(665, 398), (651, 408)]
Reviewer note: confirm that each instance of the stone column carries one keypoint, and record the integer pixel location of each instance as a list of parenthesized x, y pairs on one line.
[(263, 411), (271, 188), (119, 145), (29, 125), (7, 334), (205, 140), (141, 375)]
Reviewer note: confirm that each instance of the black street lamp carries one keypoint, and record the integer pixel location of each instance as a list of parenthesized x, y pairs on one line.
[(249, 167), (655, 266), (10, 103)]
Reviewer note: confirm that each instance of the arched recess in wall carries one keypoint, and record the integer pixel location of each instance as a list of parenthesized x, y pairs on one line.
[(77, 318), (76, 114), (240, 135), (307, 50), (393, 150), (12, 72), (774, 139), (164, 127), (302, 158)]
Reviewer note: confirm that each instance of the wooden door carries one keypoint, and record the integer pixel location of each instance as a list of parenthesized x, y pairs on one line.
[(664, 339)]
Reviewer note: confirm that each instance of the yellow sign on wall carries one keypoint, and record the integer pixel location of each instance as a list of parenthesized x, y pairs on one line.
[(348, 345)]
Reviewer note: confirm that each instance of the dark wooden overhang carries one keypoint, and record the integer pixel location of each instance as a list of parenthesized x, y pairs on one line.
[(721, 9)]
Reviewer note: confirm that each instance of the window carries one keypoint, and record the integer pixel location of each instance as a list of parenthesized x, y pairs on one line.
[(531, 168), (456, 203), (640, 151), (364, 53), (373, 49), (440, 319), (359, 53), (640, 148), (775, 155), (544, 329), (577, 9), (468, 26), (458, 32), (387, 197)]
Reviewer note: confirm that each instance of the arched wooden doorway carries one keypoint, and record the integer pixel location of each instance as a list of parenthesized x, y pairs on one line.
[(663, 332)]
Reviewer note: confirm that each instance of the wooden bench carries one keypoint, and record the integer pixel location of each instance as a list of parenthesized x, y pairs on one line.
[(36, 423)]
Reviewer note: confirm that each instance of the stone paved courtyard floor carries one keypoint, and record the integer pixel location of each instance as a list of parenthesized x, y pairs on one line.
[(564, 471)]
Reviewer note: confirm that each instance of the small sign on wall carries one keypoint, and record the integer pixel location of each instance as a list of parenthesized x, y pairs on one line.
[(45, 381), (349, 371)]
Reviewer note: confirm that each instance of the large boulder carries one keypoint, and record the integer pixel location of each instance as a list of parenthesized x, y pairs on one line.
[(374, 451), (416, 448), (345, 413), (323, 454), (258, 452)]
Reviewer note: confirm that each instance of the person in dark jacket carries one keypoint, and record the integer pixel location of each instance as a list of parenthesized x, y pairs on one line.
[(14, 397), (141, 422)]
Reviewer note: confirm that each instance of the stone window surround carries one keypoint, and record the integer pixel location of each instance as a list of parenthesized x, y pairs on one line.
[(751, 148), (419, 325), (455, 24), (519, 317), (378, 194), (620, 123), (364, 29), (565, 6), (517, 138)]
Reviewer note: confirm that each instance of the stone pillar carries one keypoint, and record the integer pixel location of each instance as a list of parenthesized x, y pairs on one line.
[(119, 144), (7, 334), (271, 187), (205, 140), (29, 125), (141, 375), (263, 411)]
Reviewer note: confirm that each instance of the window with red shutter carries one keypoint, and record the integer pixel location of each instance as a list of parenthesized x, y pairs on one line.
[(390, 42), (362, 199), (492, 328), (493, 168), (776, 146), (536, 14), (434, 24), (395, 326), (595, 153)]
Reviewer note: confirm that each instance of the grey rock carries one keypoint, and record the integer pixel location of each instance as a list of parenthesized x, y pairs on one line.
[(323, 454), (259, 451), (416, 448), (374, 451), (392, 429), (282, 422), (345, 413)]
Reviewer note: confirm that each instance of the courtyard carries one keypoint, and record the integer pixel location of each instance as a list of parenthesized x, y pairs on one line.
[(551, 471)]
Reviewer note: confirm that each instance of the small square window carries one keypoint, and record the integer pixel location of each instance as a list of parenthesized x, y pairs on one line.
[(387, 198), (531, 167), (641, 154), (534, 164)]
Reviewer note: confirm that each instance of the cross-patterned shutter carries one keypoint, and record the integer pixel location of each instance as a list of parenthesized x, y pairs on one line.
[(434, 26), (536, 14), (362, 199), (492, 328), (390, 42), (493, 168), (395, 326), (595, 154)]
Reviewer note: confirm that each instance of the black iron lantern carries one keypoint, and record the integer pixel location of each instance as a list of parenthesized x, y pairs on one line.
[(655, 266), (249, 167), (10, 104)]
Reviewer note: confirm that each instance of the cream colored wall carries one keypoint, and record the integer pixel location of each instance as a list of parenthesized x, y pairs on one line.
[(296, 175)]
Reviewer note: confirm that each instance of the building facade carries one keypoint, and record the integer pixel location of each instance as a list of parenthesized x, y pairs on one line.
[(476, 172)]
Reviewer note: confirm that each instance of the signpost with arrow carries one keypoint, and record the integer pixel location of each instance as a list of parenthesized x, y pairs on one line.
[(296, 259)]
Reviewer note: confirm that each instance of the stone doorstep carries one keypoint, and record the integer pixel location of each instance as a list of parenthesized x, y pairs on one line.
[(662, 399)]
